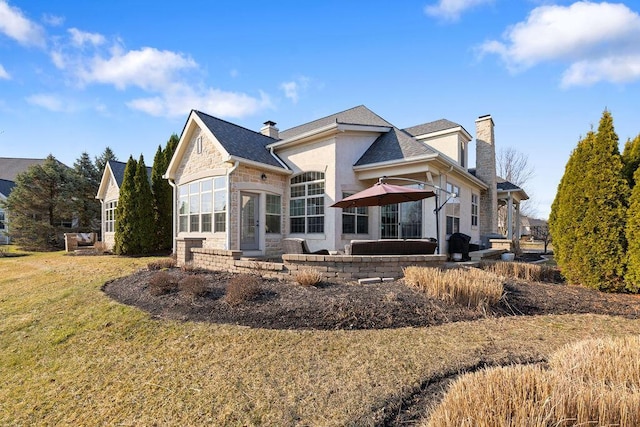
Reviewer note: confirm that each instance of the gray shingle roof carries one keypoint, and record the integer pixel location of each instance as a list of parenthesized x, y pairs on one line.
[(239, 141), (10, 167), (507, 186), (394, 145), (118, 171), (6, 186), (359, 115), (431, 127)]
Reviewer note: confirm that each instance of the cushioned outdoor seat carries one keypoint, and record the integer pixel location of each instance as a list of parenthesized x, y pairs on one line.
[(299, 246)]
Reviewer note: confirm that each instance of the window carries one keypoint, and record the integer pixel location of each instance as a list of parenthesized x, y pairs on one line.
[(273, 214), (202, 206), (462, 154), (2, 220), (474, 210), (355, 220), (306, 205), (199, 144), (110, 216), (452, 209)]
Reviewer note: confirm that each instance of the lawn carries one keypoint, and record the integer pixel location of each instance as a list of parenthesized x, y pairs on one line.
[(70, 355)]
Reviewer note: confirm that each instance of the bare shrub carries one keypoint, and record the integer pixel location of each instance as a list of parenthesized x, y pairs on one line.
[(100, 247), (594, 382), (161, 283), (472, 288), (161, 264), (241, 288), (195, 286), (308, 277), (521, 270), (190, 267)]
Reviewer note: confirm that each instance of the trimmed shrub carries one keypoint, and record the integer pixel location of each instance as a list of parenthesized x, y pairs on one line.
[(473, 288), (193, 285), (162, 283), (161, 264), (308, 277), (242, 288)]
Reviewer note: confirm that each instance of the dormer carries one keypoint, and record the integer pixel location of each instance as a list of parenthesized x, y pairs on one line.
[(449, 138)]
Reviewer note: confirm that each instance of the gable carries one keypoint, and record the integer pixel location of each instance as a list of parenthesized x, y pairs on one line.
[(394, 145)]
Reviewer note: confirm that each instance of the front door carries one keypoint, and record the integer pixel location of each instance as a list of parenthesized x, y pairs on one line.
[(249, 222)]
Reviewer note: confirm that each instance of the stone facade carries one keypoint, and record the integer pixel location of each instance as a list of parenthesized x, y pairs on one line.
[(112, 194), (486, 171)]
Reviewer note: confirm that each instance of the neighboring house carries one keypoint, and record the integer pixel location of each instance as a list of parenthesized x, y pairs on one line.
[(235, 188), (9, 168), (108, 194)]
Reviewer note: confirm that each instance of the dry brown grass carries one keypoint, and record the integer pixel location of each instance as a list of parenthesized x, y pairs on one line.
[(242, 288), (473, 288), (594, 382), (521, 270), (72, 356), (308, 277)]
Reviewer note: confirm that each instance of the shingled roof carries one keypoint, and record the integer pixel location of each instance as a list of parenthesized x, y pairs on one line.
[(431, 127), (240, 142), (117, 168), (10, 167), (359, 115), (394, 145)]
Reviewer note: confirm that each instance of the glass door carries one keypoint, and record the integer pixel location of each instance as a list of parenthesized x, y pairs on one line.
[(249, 221), (401, 220)]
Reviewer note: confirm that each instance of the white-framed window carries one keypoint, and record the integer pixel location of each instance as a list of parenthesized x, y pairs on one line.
[(110, 216), (273, 214), (475, 201), (306, 204), (452, 210), (355, 220), (199, 144), (202, 206), (2, 220)]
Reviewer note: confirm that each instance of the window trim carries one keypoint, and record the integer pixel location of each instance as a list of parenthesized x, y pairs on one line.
[(359, 214), (306, 182), (186, 219), (110, 216), (268, 214), (475, 210), (452, 211)]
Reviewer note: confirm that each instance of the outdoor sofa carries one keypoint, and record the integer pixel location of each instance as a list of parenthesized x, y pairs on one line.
[(391, 247)]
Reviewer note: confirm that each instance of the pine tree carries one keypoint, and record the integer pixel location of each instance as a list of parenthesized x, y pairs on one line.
[(101, 161), (40, 204), (87, 207), (631, 159), (145, 224), (163, 194), (126, 213), (632, 275), (589, 212)]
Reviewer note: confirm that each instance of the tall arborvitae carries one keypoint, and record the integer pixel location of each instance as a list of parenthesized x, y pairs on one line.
[(163, 194), (126, 213), (589, 212), (145, 224), (631, 159), (87, 207), (632, 275)]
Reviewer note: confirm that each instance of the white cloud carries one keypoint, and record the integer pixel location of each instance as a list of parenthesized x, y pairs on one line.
[(49, 101), (14, 25), (451, 10), (292, 89), (180, 98), (80, 38), (53, 20), (598, 38), (4, 75)]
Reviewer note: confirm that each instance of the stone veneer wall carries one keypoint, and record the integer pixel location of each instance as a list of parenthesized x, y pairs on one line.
[(332, 267), (486, 171)]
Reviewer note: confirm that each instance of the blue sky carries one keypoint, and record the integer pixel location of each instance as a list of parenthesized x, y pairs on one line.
[(79, 75)]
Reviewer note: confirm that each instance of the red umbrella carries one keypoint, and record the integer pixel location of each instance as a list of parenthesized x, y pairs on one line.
[(383, 194)]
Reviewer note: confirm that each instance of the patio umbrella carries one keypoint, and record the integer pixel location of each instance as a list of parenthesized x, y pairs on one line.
[(383, 194)]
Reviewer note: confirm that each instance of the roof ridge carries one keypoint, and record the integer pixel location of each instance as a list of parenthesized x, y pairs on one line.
[(234, 124)]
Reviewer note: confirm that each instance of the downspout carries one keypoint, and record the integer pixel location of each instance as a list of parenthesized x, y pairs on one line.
[(102, 219), (228, 215), (174, 189), (278, 159)]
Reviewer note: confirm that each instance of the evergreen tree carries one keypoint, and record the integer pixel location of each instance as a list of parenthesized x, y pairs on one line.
[(126, 213), (40, 205), (632, 275), (589, 212), (631, 159), (163, 194), (143, 200), (87, 207), (101, 161)]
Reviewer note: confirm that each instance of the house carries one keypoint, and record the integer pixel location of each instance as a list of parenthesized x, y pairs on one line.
[(108, 194), (238, 189), (9, 168)]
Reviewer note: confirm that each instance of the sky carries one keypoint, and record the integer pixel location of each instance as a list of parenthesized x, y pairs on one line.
[(78, 76)]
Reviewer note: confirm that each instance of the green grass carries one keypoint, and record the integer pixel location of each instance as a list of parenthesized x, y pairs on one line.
[(69, 355)]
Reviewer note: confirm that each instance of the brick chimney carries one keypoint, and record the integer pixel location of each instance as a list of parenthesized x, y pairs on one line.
[(486, 171), (270, 129)]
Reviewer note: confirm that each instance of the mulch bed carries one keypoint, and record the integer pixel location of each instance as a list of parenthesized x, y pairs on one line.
[(287, 305)]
